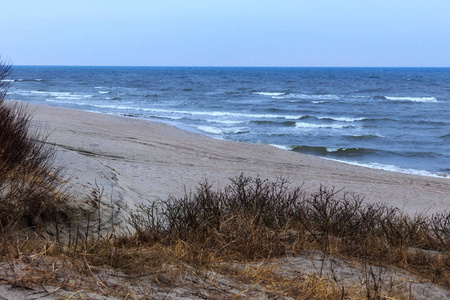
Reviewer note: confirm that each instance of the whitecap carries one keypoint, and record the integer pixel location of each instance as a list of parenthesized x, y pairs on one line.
[(281, 147), (392, 168), (236, 130), (332, 126), (223, 114), (54, 94), (269, 93), (229, 122), (104, 92), (73, 97), (210, 129), (413, 99), (342, 119), (308, 97)]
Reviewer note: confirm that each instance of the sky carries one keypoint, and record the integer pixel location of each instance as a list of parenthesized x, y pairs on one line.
[(296, 33)]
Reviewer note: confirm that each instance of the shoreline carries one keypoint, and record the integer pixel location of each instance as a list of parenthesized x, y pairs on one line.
[(370, 165), (138, 160)]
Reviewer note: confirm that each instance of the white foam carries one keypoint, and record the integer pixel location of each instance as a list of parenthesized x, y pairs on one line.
[(392, 168), (281, 147), (204, 113), (308, 97), (332, 126), (54, 94), (236, 130), (73, 97), (210, 129), (104, 92), (222, 114), (268, 94), (413, 99), (7, 80), (228, 122)]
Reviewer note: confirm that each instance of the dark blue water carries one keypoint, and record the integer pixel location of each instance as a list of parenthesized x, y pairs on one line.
[(390, 118)]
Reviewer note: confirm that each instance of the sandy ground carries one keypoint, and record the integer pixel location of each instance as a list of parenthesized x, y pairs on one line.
[(137, 160)]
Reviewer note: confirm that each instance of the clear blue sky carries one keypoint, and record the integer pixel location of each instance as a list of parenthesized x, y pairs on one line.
[(226, 32)]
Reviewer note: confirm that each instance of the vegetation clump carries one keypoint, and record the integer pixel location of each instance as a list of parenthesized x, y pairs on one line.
[(30, 191)]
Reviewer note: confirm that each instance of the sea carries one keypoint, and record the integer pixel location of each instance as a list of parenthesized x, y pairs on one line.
[(395, 119)]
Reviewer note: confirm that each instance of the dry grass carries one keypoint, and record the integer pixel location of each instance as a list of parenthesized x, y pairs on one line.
[(29, 188)]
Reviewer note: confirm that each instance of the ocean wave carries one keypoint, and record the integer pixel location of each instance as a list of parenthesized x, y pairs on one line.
[(71, 97), (25, 80), (364, 137), (434, 123), (380, 119), (210, 129), (335, 151), (412, 99), (231, 130), (269, 94), (445, 137), (68, 102), (237, 130), (284, 123), (222, 114), (281, 147), (392, 168), (104, 92), (342, 119), (332, 126), (308, 97), (229, 122), (262, 122), (54, 94)]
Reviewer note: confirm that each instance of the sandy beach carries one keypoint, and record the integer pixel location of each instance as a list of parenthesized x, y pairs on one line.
[(138, 160)]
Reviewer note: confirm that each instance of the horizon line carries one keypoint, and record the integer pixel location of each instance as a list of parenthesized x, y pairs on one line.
[(212, 66)]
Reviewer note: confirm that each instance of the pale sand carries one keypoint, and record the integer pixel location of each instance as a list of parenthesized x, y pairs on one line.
[(138, 160)]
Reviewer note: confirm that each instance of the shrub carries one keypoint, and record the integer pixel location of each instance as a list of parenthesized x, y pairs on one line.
[(29, 187)]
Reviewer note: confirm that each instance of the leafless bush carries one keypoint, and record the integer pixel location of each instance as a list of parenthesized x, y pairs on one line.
[(29, 186)]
